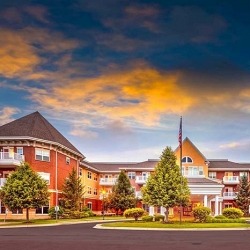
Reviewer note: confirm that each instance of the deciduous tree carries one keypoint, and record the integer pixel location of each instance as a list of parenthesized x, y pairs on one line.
[(24, 188)]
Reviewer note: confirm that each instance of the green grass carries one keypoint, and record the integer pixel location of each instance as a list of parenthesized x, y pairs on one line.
[(143, 224), (61, 221)]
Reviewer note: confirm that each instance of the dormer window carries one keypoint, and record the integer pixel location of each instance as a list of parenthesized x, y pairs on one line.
[(187, 159)]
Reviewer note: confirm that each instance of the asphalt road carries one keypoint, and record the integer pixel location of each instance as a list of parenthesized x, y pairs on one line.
[(85, 237)]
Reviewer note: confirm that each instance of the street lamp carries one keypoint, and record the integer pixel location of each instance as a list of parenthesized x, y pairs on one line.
[(103, 194)]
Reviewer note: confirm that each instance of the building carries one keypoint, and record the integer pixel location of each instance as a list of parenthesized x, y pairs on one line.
[(212, 183), (34, 140)]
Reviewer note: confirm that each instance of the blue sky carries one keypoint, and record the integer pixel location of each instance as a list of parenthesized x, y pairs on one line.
[(114, 77)]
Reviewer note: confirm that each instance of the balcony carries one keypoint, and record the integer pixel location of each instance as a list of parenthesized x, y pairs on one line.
[(229, 195), (141, 179), (107, 181), (231, 180), (11, 159), (2, 181)]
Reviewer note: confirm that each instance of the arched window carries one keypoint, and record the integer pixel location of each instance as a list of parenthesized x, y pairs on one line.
[(187, 159)]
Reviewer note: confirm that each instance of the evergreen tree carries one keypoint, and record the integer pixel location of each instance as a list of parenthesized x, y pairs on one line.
[(166, 187), (122, 196), (24, 188), (72, 192), (243, 196)]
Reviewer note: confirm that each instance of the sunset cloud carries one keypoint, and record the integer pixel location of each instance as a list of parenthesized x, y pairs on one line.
[(7, 113)]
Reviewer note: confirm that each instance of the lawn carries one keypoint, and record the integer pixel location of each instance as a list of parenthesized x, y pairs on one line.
[(176, 225), (59, 221)]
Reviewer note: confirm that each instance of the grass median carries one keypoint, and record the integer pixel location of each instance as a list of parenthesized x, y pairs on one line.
[(142, 224)]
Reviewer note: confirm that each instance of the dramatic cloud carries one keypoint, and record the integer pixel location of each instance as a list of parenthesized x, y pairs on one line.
[(7, 113)]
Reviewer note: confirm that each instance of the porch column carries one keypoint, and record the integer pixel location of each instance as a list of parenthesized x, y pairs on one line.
[(163, 210), (216, 208), (220, 212), (205, 201), (151, 210)]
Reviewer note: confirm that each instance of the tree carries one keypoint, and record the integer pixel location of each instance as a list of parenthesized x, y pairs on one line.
[(243, 196), (72, 192), (166, 187), (122, 196), (24, 188)]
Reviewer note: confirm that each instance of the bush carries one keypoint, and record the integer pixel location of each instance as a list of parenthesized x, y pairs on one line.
[(201, 213), (220, 217), (232, 213), (52, 212), (134, 212), (147, 218), (159, 217), (213, 220)]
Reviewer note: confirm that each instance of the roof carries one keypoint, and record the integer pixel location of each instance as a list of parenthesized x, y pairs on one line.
[(111, 166), (202, 181), (225, 164), (36, 126)]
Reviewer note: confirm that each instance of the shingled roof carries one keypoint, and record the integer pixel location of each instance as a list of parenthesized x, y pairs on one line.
[(227, 165), (35, 126)]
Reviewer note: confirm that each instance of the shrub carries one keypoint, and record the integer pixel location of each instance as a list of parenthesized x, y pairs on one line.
[(134, 212), (201, 213), (147, 218), (232, 213), (159, 217), (52, 212), (221, 217)]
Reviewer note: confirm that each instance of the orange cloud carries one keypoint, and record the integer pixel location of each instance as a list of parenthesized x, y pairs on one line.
[(20, 56), (140, 95)]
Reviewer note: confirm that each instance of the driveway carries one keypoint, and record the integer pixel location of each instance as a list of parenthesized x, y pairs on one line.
[(85, 237)]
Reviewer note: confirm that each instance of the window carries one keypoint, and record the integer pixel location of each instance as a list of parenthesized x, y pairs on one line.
[(193, 171), (212, 175), (67, 160), (45, 176), (228, 205), (89, 175), (187, 159), (19, 150), (89, 190), (242, 174), (95, 191), (42, 210), (95, 177), (17, 211), (42, 154), (131, 175), (80, 171), (89, 205)]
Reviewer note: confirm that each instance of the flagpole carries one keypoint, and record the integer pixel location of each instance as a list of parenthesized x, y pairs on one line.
[(180, 146)]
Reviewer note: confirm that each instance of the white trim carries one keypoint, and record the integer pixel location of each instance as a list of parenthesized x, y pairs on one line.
[(40, 140)]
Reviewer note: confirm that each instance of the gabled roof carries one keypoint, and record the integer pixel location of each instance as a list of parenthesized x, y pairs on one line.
[(35, 126), (202, 181)]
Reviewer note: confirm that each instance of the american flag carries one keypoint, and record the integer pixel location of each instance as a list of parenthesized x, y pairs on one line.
[(180, 133)]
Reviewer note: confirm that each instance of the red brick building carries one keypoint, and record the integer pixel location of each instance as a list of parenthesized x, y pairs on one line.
[(34, 140)]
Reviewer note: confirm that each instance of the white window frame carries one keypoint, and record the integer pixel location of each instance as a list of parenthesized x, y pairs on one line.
[(80, 172), (131, 175), (21, 149), (89, 191), (44, 153), (185, 159), (67, 160), (95, 191), (212, 175)]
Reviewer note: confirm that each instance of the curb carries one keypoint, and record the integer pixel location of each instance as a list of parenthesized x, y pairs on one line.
[(100, 226)]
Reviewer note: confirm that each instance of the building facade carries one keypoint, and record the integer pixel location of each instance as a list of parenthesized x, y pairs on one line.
[(212, 183)]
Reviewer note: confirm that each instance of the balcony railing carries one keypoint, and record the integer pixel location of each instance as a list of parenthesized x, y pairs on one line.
[(108, 181), (10, 158), (231, 180), (141, 179), (229, 195), (2, 181)]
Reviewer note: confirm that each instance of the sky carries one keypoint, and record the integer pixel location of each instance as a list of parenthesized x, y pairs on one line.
[(114, 77)]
